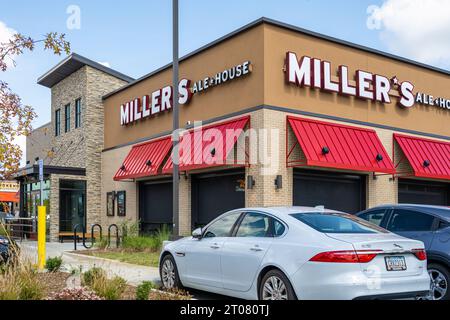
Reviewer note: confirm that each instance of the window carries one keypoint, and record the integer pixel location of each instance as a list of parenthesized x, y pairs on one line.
[(407, 220), (57, 122), (121, 204), (77, 113), (279, 228), (67, 118), (337, 223), (255, 225), (376, 216), (222, 227)]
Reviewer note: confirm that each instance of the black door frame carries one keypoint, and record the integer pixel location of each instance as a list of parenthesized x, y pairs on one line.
[(68, 189)]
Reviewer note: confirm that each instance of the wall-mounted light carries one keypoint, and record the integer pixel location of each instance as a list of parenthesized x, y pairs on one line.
[(250, 182), (426, 163), (148, 163), (279, 182), (380, 157), (213, 152), (122, 167), (325, 151)]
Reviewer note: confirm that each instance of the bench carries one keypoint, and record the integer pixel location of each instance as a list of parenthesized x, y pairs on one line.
[(63, 235)]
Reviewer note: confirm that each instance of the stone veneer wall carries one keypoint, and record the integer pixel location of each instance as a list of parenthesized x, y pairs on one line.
[(80, 147)]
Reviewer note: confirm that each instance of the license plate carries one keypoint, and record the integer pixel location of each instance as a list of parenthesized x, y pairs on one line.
[(395, 263)]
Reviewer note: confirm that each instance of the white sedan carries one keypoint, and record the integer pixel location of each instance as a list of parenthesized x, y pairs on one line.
[(296, 253)]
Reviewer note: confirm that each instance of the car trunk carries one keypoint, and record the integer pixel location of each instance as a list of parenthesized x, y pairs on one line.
[(394, 251)]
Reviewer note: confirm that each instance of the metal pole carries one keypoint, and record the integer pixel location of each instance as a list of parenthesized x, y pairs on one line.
[(176, 217)]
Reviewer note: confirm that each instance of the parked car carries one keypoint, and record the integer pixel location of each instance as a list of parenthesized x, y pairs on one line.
[(296, 253), (429, 224), (4, 249)]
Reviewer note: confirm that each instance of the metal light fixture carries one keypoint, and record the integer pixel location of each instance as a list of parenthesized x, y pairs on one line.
[(325, 151), (250, 182), (380, 157), (426, 163), (122, 167), (213, 152), (148, 163), (279, 182)]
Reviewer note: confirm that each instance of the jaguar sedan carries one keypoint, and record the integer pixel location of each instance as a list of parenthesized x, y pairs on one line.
[(296, 253)]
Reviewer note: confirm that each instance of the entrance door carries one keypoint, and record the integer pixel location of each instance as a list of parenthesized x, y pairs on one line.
[(341, 192), (423, 192), (72, 205), (155, 205), (215, 194)]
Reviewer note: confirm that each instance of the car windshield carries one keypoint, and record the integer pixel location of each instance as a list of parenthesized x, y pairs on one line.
[(331, 222)]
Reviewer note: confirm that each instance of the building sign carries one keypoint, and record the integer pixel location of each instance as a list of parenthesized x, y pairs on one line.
[(316, 73), (161, 100)]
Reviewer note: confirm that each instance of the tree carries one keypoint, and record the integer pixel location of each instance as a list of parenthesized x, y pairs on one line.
[(16, 118)]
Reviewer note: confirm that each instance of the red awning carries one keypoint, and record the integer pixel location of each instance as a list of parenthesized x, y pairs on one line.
[(209, 146), (145, 159), (9, 197), (428, 158), (332, 145)]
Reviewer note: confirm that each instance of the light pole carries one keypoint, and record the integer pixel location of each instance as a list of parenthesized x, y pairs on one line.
[(175, 138)]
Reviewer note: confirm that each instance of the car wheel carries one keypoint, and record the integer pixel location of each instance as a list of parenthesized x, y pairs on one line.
[(169, 273), (440, 279), (276, 286)]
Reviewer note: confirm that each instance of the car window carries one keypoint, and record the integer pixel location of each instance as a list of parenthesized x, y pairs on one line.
[(254, 225), (279, 228), (222, 227), (329, 222), (376, 216), (408, 220), (443, 224)]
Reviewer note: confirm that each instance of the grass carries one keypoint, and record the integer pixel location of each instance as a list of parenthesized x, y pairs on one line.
[(148, 259)]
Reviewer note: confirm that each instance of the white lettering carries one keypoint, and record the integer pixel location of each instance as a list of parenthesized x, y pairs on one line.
[(298, 74), (363, 80), (406, 94)]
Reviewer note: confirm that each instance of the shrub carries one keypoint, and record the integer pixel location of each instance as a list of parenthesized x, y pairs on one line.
[(74, 294), (153, 243), (3, 231), (109, 289), (20, 282), (102, 243), (143, 290), (53, 264)]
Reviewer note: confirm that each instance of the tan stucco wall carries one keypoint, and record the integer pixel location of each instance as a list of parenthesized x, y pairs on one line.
[(419, 118), (226, 98)]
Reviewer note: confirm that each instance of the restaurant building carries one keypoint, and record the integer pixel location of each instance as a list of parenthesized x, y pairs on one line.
[(319, 121)]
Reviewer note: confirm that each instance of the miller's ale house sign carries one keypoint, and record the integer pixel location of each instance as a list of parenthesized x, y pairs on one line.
[(161, 100), (316, 73)]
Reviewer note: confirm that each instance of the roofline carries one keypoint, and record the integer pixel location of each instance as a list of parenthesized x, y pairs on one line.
[(289, 27), (42, 126), (88, 62)]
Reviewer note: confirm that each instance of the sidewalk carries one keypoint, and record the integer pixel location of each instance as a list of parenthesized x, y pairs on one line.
[(134, 274)]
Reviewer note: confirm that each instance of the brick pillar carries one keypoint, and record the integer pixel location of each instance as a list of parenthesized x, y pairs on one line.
[(185, 206)]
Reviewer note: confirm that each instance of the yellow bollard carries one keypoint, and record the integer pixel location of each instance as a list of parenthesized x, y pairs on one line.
[(42, 235)]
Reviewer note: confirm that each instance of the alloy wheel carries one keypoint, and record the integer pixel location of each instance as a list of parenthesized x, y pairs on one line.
[(439, 285), (168, 274), (274, 289)]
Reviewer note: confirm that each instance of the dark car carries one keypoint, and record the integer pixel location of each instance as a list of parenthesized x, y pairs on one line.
[(4, 249), (429, 224)]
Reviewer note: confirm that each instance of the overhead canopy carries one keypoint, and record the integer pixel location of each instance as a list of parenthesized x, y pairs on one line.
[(9, 197), (144, 160), (332, 145), (209, 146), (428, 158)]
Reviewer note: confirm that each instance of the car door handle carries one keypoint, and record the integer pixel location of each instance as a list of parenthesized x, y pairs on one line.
[(215, 246), (256, 249)]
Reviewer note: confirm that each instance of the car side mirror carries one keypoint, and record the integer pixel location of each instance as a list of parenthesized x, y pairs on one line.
[(197, 233)]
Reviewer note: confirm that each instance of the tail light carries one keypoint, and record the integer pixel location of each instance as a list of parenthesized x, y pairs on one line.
[(420, 254), (361, 256)]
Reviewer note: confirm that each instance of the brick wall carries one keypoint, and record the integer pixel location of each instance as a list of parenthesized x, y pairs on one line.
[(39, 143)]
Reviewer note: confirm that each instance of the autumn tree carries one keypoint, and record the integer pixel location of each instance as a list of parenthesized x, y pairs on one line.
[(15, 117)]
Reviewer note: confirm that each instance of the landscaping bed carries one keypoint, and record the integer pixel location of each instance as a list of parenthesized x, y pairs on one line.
[(142, 258)]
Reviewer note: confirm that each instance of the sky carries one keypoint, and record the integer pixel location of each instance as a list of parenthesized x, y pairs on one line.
[(134, 36)]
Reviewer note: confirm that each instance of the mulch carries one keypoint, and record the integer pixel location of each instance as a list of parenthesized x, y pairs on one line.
[(53, 281)]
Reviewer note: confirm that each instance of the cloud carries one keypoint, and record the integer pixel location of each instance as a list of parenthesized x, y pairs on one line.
[(106, 64), (417, 29), (6, 34)]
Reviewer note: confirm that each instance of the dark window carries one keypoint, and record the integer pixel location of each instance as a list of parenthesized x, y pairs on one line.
[(222, 227), (279, 228), (67, 118), (376, 216), (407, 220), (77, 113), (337, 223), (254, 225), (58, 122)]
